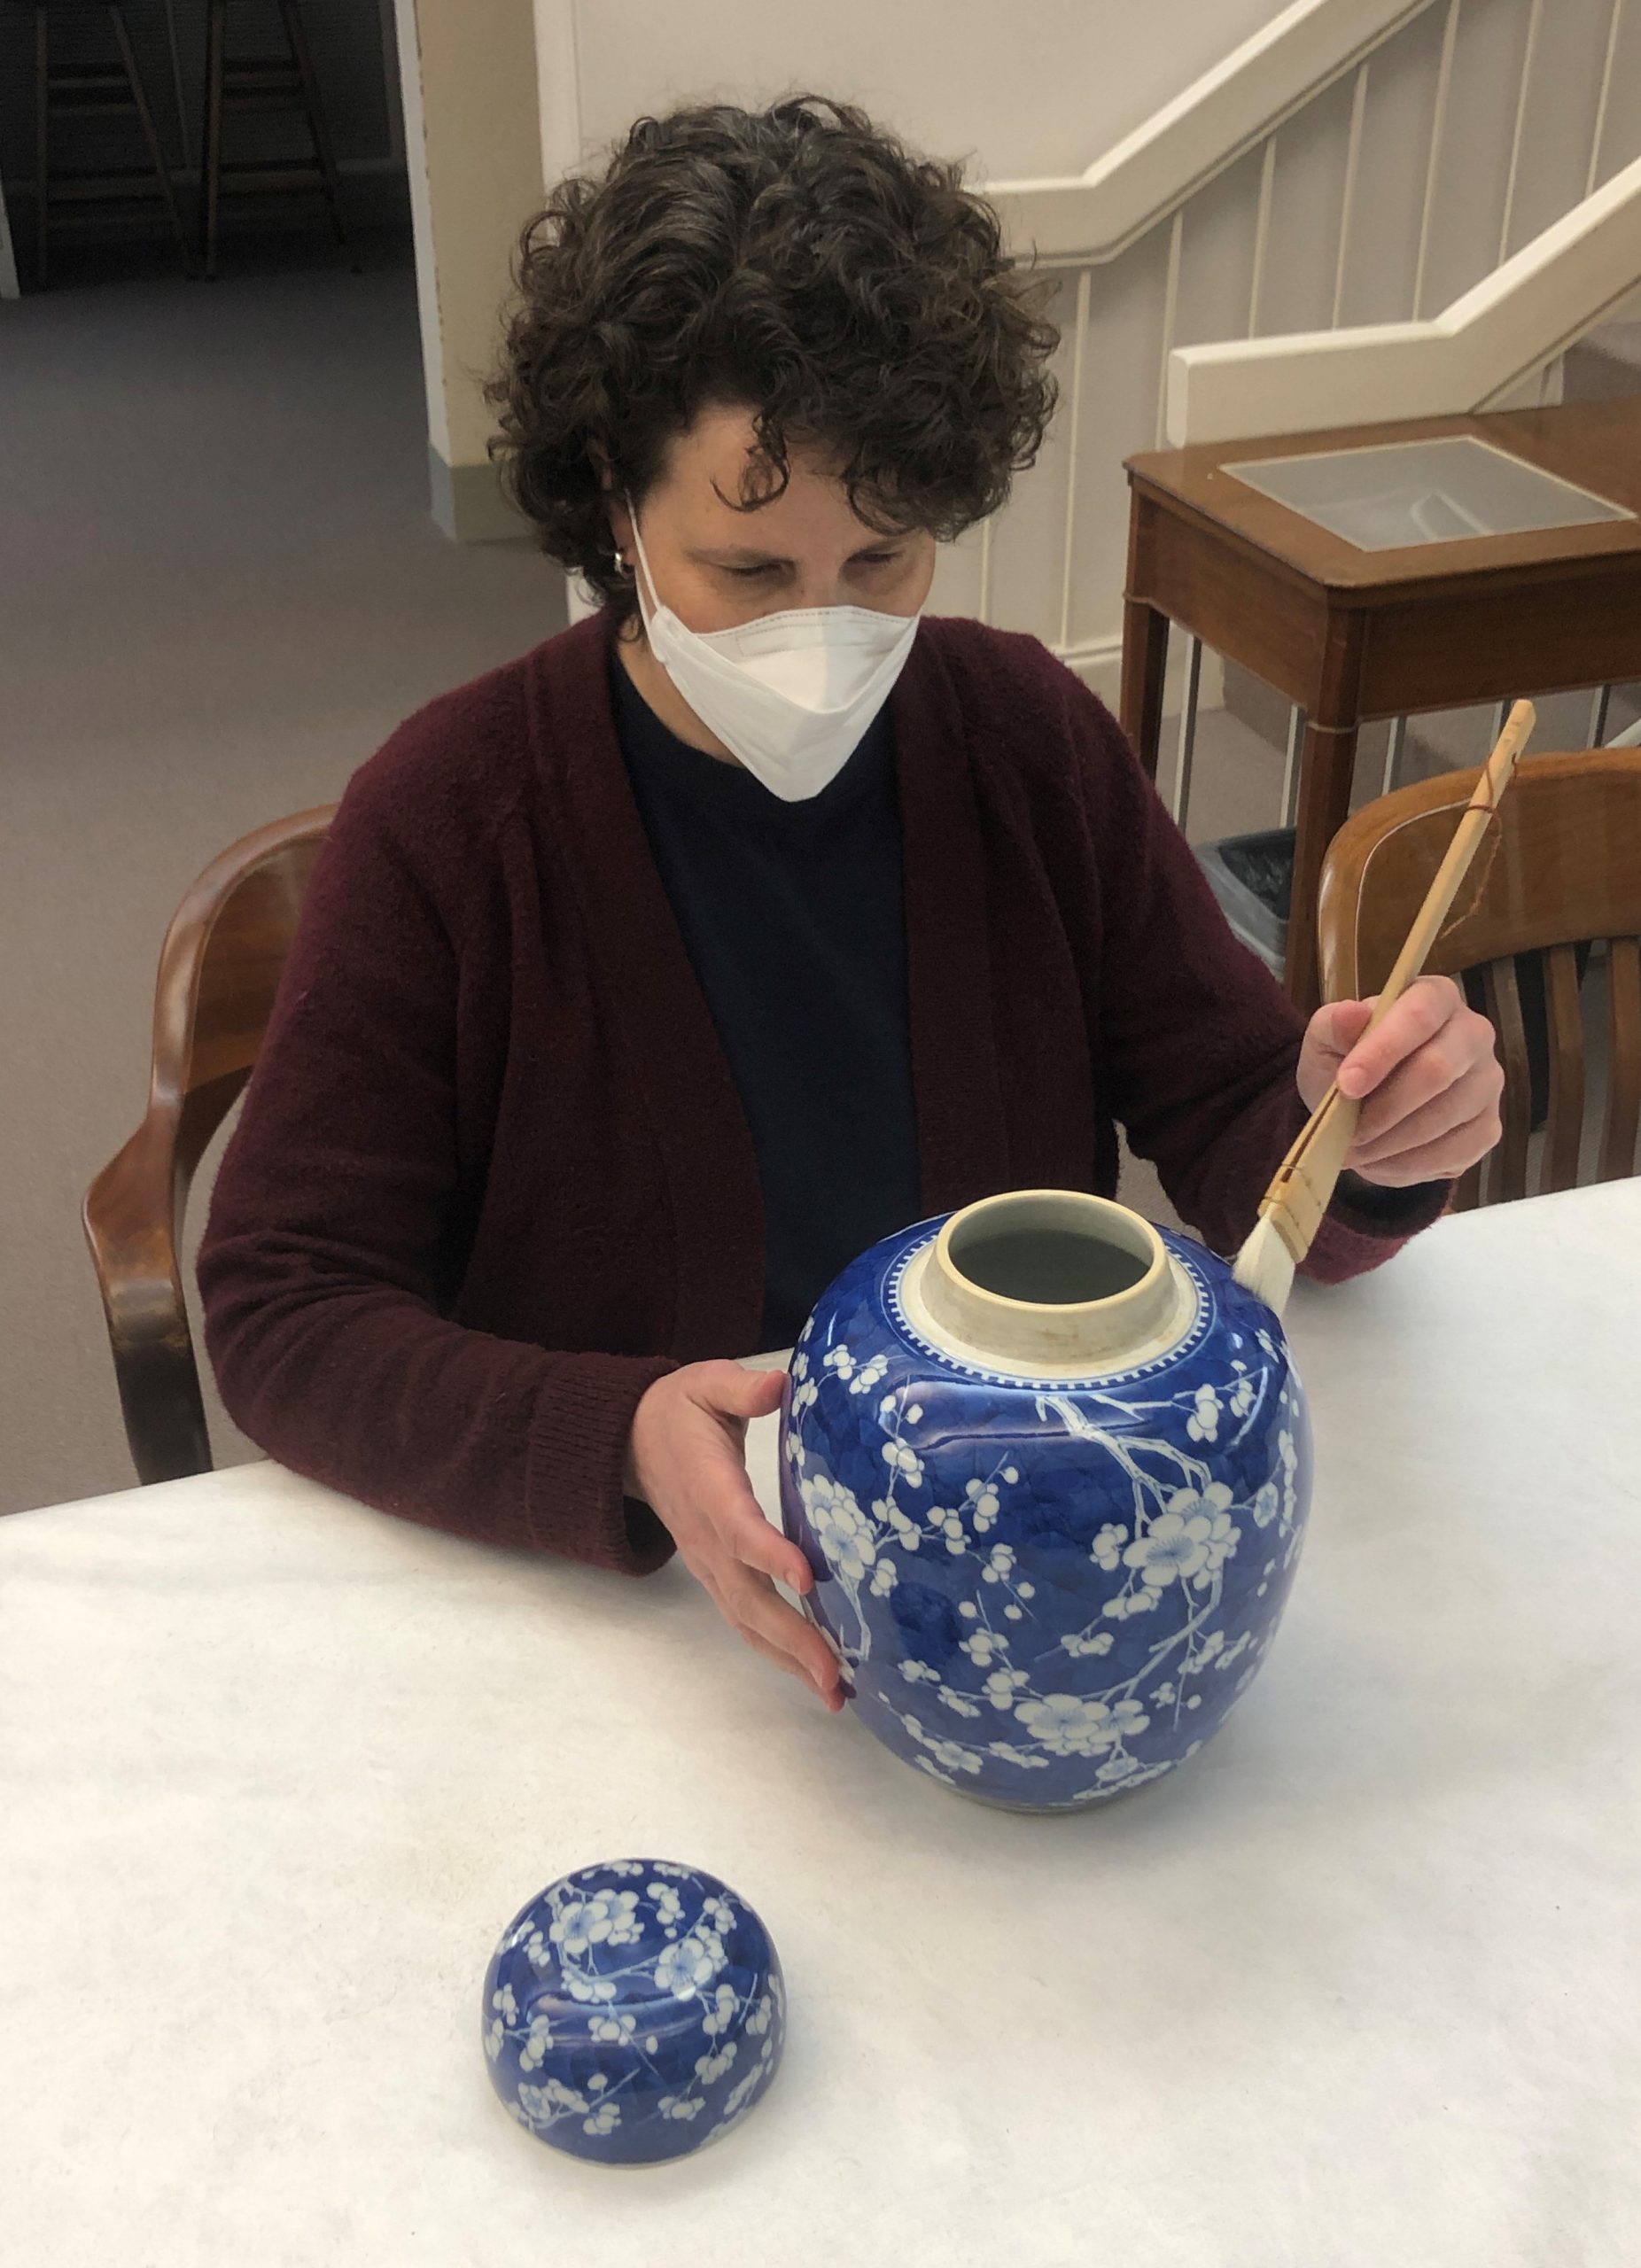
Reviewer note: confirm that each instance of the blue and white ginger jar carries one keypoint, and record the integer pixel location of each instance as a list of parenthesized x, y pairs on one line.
[(1050, 1466), (634, 2012)]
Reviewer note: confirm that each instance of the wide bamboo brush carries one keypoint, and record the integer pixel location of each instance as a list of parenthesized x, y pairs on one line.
[(1291, 1210)]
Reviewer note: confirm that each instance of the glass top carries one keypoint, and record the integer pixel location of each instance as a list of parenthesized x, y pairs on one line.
[(1396, 493)]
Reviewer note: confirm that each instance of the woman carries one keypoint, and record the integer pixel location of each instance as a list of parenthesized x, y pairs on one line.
[(645, 982)]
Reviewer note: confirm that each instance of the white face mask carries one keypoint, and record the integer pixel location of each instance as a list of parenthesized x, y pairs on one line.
[(791, 694)]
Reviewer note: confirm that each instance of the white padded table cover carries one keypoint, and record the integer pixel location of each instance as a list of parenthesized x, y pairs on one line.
[(1360, 1985)]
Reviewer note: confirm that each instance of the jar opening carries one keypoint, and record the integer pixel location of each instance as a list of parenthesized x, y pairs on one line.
[(1054, 1280), (1049, 1266), (1049, 1281)]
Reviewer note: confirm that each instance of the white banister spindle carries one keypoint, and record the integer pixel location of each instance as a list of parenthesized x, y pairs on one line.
[(1535, 18), (983, 610), (1433, 164), (1481, 344), (1290, 766), (1347, 202), (1612, 30), (1170, 313), (1262, 234), (1187, 729), (1392, 754), (1081, 320)]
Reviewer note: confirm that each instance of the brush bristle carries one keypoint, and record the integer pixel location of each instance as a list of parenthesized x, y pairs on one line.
[(1264, 1266)]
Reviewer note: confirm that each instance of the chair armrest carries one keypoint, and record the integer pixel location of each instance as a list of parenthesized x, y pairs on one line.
[(129, 1218)]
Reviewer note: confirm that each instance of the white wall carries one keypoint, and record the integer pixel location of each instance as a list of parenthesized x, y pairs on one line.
[(1036, 87), (473, 153)]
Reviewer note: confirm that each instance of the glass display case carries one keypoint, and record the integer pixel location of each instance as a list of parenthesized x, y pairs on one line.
[(1390, 496)]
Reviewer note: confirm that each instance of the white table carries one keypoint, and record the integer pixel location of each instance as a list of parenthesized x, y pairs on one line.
[(1360, 1986)]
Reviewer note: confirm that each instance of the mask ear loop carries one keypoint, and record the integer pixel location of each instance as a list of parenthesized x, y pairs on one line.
[(644, 562)]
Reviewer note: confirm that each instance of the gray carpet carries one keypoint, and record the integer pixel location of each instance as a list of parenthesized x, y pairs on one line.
[(219, 591)]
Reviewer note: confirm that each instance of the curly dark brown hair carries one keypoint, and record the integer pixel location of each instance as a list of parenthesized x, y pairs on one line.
[(794, 260)]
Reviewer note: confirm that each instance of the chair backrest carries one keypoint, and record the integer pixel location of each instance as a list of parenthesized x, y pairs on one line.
[(219, 971), (220, 968), (1563, 882)]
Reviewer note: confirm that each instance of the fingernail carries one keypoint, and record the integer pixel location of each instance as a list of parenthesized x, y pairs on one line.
[(1350, 1080)]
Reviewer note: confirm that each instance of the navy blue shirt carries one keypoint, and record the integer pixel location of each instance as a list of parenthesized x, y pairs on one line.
[(792, 916)]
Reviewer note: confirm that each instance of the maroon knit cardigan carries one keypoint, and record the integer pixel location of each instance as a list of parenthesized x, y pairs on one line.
[(493, 1177)]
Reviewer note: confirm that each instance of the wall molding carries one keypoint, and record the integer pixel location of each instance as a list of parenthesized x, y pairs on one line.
[(1089, 218), (1099, 663), (1540, 302), (469, 502)]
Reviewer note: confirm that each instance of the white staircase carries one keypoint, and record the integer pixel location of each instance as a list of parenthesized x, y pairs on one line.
[(1372, 209)]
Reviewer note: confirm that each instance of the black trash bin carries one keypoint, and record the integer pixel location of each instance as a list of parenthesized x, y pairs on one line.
[(1252, 876)]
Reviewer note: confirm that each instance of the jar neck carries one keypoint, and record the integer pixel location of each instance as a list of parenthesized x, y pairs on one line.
[(1047, 1279)]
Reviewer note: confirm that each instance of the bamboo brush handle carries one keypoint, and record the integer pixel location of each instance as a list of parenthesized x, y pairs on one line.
[(1304, 1185)]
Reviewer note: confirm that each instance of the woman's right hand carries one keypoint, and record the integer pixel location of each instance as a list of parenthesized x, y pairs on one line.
[(686, 1459)]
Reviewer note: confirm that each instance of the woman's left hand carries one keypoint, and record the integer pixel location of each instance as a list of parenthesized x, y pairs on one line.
[(1429, 1074)]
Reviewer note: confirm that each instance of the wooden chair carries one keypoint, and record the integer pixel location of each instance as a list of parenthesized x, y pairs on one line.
[(219, 970), (1565, 877)]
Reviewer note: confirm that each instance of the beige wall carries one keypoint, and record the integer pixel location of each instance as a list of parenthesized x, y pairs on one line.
[(472, 147), (1038, 87)]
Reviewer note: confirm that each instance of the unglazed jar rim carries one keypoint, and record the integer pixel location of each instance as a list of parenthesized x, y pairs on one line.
[(1134, 1324)]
